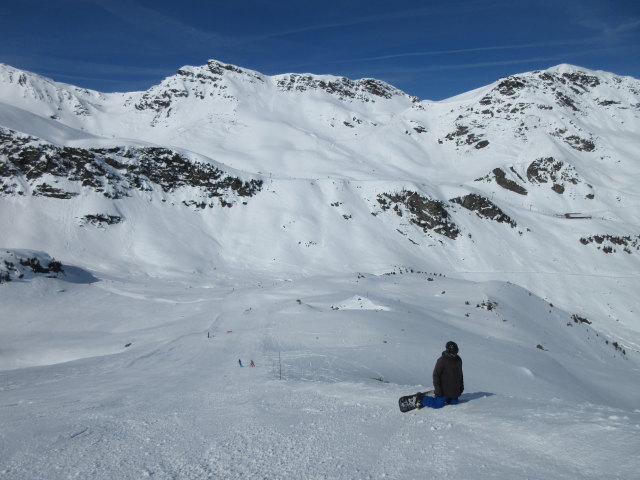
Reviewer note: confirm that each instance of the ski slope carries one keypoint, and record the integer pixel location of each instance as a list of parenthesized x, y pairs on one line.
[(332, 357)]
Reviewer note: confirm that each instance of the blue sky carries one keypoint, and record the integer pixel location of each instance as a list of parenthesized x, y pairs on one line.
[(430, 49)]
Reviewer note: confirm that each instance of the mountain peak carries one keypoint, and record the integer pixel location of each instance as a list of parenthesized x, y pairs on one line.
[(568, 68), (215, 70)]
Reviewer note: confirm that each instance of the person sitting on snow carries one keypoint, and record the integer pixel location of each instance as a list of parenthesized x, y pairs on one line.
[(448, 382)]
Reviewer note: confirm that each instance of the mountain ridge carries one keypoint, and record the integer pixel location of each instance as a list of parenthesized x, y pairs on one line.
[(525, 177)]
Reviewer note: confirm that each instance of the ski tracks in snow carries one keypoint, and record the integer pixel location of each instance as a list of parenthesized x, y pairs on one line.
[(183, 409), (241, 423)]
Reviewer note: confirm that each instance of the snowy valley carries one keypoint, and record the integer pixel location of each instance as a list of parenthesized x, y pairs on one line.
[(337, 232)]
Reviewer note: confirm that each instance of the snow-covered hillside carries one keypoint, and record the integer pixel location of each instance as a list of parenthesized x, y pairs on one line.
[(533, 178), (156, 389), (338, 232)]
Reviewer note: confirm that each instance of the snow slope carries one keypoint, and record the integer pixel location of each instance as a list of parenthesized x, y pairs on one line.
[(322, 400), (338, 233)]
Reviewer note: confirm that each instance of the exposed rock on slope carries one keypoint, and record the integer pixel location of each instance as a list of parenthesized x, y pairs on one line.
[(555, 172), (611, 243), (365, 90), (114, 172), (484, 208), (425, 212), (19, 264), (499, 176)]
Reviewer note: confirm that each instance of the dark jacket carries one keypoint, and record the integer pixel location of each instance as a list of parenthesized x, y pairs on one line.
[(447, 376)]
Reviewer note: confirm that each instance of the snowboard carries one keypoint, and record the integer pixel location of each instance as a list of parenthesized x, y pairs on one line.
[(411, 402)]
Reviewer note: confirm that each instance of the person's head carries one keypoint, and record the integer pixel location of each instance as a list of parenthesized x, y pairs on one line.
[(452, 348)]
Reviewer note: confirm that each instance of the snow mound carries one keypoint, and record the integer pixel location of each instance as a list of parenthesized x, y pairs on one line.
[(359, 303), (26, 264)]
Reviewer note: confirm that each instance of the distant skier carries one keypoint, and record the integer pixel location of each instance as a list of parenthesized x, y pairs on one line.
[(239, 362), (252, 364), (448, 382)]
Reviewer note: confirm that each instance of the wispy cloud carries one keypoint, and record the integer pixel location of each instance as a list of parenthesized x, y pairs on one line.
[(83, 67), (468, 50), (623, 27), (106, 84), (98, 76), (402, 72), (468, 7), (149, 20), (405, 73), (493, 63), (608, 19)]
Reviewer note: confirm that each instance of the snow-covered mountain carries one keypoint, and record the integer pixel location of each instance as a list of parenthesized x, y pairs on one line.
[(309, 213), (530, 176)]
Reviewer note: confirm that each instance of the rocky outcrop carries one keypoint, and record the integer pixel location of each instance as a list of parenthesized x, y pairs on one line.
[(365, 90), (499, 176), (559, 174), (424, 212), (611, 243), (100, 219), (20, 264), (115, 172), (484, 208)]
